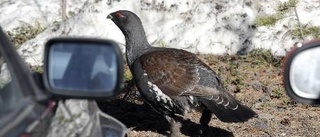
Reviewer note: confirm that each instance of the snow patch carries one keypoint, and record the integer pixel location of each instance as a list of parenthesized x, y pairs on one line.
[(210, 27), (18, 12)]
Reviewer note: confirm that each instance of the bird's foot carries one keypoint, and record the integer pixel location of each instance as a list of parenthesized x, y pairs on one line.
[(174, 127)]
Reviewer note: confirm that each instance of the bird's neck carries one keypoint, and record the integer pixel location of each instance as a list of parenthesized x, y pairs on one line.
[(136, 46)]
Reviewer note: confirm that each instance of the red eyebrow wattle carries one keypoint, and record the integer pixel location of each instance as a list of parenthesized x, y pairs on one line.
[(119, 15)]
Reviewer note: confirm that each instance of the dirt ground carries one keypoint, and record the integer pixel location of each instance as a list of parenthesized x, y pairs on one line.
[(255, 79)]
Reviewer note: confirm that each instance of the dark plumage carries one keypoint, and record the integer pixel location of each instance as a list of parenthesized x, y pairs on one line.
[(172, 80)]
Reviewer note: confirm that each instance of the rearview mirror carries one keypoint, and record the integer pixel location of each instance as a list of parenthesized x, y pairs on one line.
[(302, 73), (83, 68)]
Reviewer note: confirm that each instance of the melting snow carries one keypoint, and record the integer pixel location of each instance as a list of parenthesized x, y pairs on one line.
[(202, 26)]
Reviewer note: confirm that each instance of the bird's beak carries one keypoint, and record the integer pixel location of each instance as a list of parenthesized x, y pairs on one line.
[(109, 17)]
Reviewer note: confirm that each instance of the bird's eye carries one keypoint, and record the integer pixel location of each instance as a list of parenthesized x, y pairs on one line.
[(119, 15)]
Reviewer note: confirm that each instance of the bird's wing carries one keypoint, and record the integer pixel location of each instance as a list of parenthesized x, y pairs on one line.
[(176, 72), (180, 73)]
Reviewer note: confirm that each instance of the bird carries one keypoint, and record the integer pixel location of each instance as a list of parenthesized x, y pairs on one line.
[(175, 81)]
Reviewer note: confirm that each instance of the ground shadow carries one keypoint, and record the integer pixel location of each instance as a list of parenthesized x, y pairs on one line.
[(141, 117), (192, 129)]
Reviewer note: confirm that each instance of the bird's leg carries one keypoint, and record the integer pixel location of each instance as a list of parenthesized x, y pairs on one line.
[(174, 126), (204, 121), (128, 89)]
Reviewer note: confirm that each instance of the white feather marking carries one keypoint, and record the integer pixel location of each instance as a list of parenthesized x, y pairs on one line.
[(159, 94), (235, 108), (145, 74), (191, 98), (216, 99), (220, 101), (226, 104)]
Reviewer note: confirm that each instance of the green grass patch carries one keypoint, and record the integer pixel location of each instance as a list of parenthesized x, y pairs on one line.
[(127, 74), (281, 10), (37, 69), (23, 33), (287, 6), (277, 93), (313, 31), (265, 56), (267, 20)]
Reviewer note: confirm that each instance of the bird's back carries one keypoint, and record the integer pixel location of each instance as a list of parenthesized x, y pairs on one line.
[(174, 80)]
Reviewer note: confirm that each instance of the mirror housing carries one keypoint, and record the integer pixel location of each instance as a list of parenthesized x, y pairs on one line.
[(83, 68), (302, 73)]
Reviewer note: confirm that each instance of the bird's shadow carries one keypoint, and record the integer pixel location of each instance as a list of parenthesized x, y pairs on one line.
[(141, 117)]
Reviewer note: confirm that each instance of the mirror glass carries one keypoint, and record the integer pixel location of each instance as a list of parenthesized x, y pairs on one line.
[(304, 73), (89, 67)]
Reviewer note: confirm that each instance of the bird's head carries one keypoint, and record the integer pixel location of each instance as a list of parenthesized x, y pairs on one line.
[(131, 27), (128, 22)]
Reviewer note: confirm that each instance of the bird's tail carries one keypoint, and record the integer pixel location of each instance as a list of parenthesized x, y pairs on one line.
[(227, 108)]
